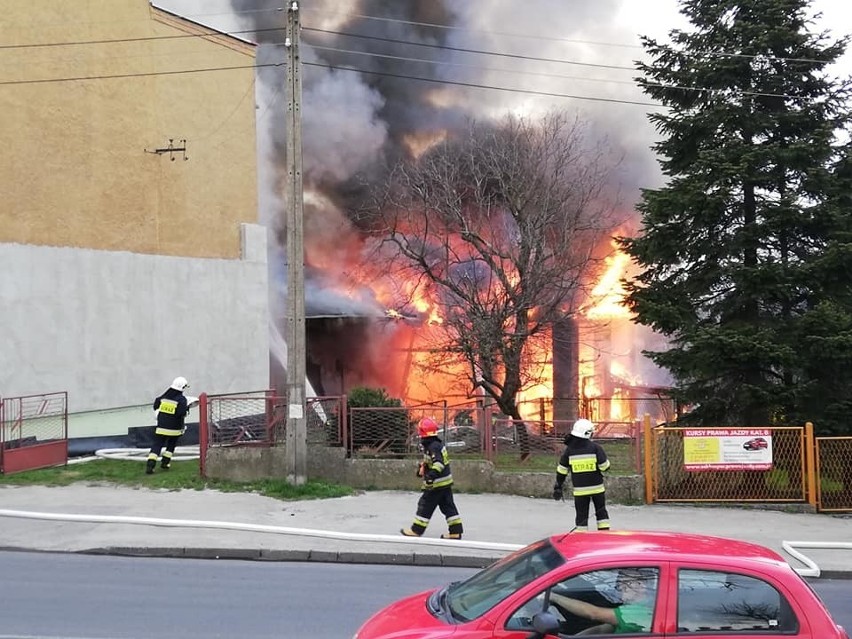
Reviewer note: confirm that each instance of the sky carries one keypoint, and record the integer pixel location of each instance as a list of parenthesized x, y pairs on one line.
[(599, 34)]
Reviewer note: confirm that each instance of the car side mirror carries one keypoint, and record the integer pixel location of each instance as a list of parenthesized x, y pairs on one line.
[(544, 623)]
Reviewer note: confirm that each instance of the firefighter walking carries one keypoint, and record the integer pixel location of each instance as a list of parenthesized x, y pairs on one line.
[(171, 408), (586, 462), (437, 484)]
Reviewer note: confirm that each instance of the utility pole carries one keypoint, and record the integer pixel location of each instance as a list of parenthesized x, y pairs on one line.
[(296, 441)]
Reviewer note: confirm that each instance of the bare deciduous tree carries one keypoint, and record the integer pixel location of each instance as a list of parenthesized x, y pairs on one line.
[(502, 225)]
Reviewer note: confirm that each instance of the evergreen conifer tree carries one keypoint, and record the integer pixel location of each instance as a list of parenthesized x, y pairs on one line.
[(745, 254)]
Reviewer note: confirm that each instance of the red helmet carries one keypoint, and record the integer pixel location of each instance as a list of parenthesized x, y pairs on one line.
[(427, 427)]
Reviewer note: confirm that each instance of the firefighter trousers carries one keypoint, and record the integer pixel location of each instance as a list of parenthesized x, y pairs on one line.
[(431, 499), (157, 445), (581, 506)]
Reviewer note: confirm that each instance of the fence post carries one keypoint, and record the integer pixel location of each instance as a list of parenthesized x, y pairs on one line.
[(810, 451), (344, 425), (487, 435), (202, 434), (646, 442), (446, 417)]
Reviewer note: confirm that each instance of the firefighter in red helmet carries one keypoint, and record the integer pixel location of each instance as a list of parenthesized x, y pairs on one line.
[(437, 487)]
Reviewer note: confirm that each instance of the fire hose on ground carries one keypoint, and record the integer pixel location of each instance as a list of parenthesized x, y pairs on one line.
[(186, 453), (182, 453), (791, 547)]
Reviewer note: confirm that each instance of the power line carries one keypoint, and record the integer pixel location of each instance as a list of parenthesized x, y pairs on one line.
[(41, 45), (709, 54), (137, 75), (216, 32), (621, 45), (551, 75), (400, 76), (485, 86), (476, 51)]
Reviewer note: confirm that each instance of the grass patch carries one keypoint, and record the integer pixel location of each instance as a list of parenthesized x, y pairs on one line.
[(183, 475)]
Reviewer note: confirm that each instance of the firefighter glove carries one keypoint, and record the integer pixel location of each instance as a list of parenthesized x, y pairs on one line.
[(557, 492)]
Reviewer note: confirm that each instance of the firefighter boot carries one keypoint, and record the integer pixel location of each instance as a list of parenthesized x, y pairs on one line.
[(408, 532), (149, 467), (451, 536), (165, 464)]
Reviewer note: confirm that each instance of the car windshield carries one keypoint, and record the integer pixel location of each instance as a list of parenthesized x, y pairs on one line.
[(474, 597)]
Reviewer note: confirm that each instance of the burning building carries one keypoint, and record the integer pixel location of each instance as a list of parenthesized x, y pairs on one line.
[(384, 81)]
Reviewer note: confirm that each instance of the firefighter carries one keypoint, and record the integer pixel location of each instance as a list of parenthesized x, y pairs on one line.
[(586, 461), (437, 487), (171, 408)]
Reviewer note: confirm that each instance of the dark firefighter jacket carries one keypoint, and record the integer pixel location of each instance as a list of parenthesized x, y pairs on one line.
[(586, 461), (171, 408), (436, 463)]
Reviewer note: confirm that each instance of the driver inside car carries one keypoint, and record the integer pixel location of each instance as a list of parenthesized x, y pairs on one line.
[(636, 590)]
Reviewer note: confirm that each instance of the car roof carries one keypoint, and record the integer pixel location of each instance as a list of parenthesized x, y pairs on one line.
[(632, 545)]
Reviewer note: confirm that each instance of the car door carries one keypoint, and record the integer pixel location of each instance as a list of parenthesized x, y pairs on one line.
[(730, 602), (604, 587)]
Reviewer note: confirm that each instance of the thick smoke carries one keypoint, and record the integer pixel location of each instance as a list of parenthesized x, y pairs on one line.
[(352, 121)]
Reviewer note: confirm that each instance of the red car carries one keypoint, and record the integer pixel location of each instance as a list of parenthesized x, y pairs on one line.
[(758, 443), (582, 583)]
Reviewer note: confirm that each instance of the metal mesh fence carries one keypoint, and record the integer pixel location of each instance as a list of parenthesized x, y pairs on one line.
[(660, 408), (326, 421), (834, 473), (33, 419), (627, 409), (783, 479), (384, 430), (537, 445), (244, 419)]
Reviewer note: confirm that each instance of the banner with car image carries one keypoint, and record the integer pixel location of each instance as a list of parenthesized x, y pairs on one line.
[(727, 449)]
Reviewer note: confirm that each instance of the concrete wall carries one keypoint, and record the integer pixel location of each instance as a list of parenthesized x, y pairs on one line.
[(121, 267), (113, 329), (74, 170), (245, 463)]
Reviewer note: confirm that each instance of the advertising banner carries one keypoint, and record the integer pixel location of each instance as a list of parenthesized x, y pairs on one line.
[(727, 449)]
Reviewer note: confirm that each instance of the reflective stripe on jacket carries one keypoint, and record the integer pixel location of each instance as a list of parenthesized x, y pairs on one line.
[(437, 462), (586, 462), (171, 408)]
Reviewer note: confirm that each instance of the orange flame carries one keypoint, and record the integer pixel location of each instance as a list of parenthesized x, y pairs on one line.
[(608, 294)]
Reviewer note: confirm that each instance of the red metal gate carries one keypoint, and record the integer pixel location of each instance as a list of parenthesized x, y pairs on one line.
[(33, 432)]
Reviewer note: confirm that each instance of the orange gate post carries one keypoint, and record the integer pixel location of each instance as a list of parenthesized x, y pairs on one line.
[(810, 464), (646, 430)]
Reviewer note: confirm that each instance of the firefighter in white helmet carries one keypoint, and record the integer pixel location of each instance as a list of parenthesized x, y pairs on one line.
[(586, 461), (171, 408)]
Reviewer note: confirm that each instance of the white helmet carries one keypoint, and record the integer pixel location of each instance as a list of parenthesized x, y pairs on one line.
[(180, 383), (583, 428)]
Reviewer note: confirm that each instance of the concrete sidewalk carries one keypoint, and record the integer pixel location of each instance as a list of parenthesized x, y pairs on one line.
[(363, 528)]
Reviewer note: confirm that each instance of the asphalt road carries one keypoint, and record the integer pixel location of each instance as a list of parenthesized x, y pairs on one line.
[(65, 596)]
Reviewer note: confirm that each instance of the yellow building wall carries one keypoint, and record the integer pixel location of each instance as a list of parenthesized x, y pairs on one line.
[(76, 120)]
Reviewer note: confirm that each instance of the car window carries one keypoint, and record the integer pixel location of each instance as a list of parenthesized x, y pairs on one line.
[(612, 601), (730, 602), (474, 597)]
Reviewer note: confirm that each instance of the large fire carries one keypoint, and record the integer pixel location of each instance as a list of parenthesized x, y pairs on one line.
[(605, 350)]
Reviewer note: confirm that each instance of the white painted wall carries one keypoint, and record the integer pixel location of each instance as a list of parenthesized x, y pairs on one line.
[(114, 328)]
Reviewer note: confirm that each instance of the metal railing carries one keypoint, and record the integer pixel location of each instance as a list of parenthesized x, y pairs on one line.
[(833, 461), (33, 432)]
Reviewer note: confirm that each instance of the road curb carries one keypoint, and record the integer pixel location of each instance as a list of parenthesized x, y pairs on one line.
[(261, 554), (318, 556)]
